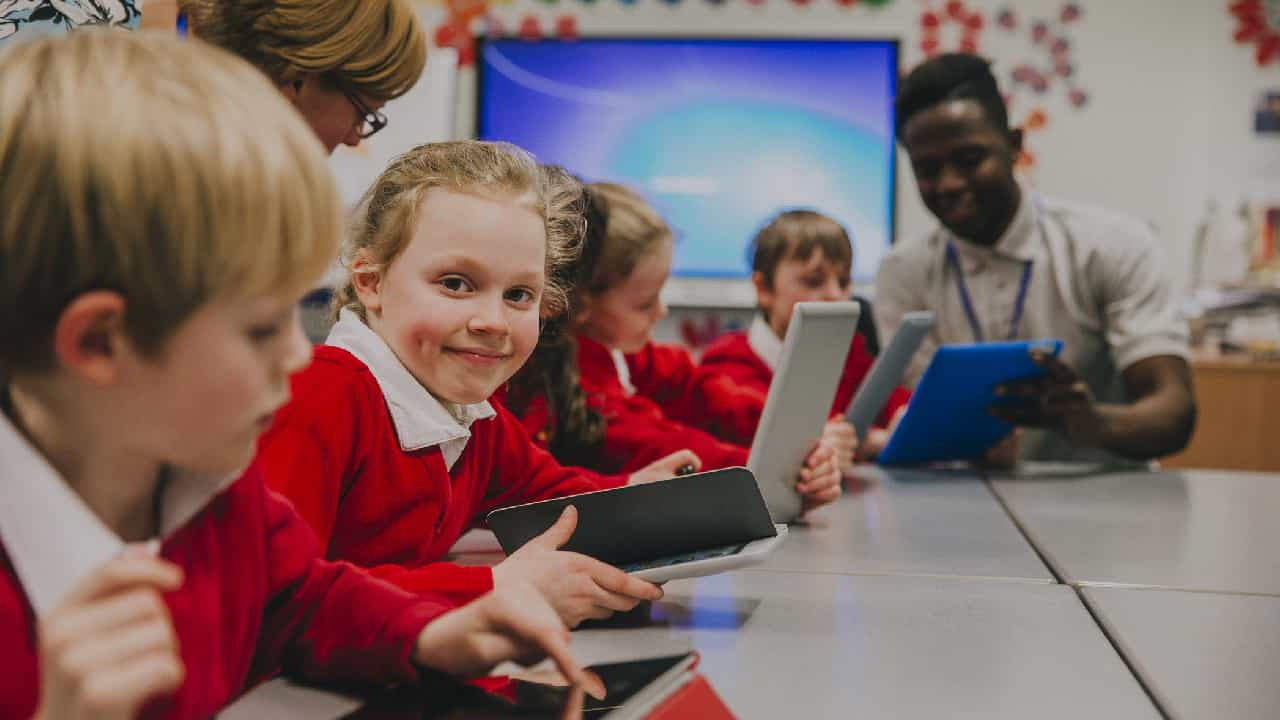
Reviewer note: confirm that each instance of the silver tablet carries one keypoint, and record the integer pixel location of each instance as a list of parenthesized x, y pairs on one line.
[(804, 382), (887, 371)]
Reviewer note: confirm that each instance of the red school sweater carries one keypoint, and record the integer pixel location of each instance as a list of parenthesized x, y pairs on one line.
[(675, 406), (731, 355), (334, 452), (256, 599)]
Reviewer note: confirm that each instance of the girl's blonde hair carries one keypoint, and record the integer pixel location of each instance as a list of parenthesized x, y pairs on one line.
[(632, 229), (374, 47), (387, 213), (184, 178)]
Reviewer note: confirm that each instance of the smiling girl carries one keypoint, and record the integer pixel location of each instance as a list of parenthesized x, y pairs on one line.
[(391, 448)]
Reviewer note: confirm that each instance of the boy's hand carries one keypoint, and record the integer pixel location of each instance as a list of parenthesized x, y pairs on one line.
[(666, 468), (819, 479), (878, 438), (840, 435), (110, 647), (511, 623), (578, 587)]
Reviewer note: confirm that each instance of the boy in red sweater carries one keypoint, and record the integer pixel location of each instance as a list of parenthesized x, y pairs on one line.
[(392, 446), (800, 256), (145, 570)]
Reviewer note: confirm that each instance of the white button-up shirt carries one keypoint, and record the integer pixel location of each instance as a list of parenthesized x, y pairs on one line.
[(54, 540), (419, 418)]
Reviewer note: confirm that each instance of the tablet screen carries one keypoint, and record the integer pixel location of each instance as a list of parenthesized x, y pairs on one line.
[(523, 698)]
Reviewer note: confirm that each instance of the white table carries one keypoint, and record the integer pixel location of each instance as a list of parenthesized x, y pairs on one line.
[(905, 522), (779, 645), (800, 645), (1202, 655), (1183, 530)]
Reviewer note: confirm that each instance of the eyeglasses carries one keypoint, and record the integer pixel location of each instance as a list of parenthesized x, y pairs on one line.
[(371, 121)]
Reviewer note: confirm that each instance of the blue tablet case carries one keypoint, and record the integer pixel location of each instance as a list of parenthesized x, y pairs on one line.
[(947, 417)]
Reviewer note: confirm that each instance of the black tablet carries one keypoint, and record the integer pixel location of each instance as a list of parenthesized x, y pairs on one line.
[(684, 527)]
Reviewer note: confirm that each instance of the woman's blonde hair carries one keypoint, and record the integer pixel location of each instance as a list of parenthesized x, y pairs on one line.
[(387, 213), (182, 179), (632, 229), (374, 47)]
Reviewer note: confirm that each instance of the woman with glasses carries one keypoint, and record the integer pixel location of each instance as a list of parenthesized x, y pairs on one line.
[(337, 61)]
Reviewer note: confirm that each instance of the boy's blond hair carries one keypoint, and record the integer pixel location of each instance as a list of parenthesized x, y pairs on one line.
[(386, 215), (632, 229), (181, 178), (374, 47)]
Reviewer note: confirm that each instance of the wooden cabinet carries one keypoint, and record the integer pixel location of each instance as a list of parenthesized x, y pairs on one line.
[(1239, 423)]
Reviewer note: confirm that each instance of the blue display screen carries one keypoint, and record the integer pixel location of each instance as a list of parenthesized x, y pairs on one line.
[(719, 134)]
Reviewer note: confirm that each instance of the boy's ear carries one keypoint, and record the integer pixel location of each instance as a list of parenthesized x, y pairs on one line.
[(366, 279), (90, 336), (580, 310), (764, 293)]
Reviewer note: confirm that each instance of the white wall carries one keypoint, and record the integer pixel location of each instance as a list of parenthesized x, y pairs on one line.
[(1169, 123)]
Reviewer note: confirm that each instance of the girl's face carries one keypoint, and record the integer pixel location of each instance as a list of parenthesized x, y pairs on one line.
[(459, 306), (812, 279), (622, 317)]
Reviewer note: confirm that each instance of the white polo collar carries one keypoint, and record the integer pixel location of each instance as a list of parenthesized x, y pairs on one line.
[(420, 420), (764, 342), (1017, 242), (624, 371), (51, 535)]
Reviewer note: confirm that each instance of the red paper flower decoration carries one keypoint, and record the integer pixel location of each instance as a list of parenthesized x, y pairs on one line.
[(1258, 21), (954, 12), (567, 27), (455, 34), (530, 28)]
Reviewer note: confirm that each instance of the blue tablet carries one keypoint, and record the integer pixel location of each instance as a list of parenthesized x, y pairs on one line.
[(947, 417)]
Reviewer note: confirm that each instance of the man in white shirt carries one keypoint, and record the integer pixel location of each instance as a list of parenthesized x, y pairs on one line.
[(1009, 264)]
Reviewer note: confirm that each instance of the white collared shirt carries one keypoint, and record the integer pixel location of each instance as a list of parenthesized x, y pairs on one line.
[(763, 342), (1098, 283), (54, 540), (420, 420), (624, 371)]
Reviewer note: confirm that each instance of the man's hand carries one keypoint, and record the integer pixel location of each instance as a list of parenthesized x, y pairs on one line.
[(1060, 400)]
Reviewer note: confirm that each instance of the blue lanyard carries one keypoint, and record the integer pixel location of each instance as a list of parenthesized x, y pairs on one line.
[(182, 24), (954, 260)]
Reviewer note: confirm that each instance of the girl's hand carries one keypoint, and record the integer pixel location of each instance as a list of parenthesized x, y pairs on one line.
[(110, 647), (577, 587), (677, 463), (819, 481)]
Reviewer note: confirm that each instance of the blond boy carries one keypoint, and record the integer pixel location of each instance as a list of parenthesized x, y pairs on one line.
[(155, 232)]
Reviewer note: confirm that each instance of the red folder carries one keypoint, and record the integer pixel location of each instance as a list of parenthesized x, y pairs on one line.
[(694, 699)]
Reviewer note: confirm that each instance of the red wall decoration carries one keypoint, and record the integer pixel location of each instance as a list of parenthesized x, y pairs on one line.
[(1258, 23), (464, 18)]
